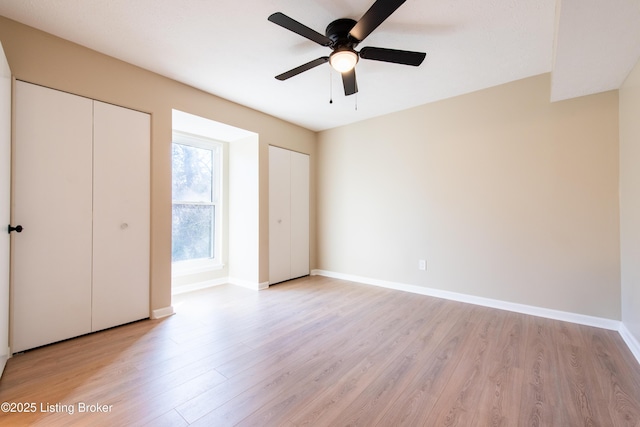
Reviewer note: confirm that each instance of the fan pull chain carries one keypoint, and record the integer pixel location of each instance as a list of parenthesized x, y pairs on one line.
[(356, 101), (330, 87)]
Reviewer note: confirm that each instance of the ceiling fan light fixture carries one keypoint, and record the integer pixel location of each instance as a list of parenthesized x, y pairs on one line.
[(343, 60), (342, 36)]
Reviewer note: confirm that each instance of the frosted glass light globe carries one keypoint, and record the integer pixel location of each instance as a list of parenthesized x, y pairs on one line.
[(343, 60)]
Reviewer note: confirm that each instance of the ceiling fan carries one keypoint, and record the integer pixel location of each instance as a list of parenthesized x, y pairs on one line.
[(342, 36)]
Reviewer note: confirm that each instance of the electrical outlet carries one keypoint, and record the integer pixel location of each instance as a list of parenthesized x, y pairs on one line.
[(422, 264)]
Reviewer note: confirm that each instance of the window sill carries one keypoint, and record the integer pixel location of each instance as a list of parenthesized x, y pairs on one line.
[(186, 268)]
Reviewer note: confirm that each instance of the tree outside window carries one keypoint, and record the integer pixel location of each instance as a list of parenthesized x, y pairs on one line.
[(194, 194)]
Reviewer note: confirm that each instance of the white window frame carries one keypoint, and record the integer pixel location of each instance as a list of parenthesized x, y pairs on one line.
[(186, 267)]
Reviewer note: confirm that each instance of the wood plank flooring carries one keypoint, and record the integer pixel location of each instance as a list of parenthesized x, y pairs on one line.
[(324, 352)]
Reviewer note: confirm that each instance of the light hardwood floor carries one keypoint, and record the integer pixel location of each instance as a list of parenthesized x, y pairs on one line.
[(324, 352)]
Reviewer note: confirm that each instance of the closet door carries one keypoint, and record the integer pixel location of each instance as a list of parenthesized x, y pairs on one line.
[(299, 214), (121, 181), (288, 215), (279, 215), (52, 201), (5, 203)]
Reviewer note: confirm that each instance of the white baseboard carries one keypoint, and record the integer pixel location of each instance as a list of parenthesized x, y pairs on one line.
[(256, 286), (162, 312), (630, 340), (197, 286), (581, 319), (217, 282)]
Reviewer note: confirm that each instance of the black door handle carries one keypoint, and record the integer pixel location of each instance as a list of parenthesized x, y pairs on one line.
[(17, 228)]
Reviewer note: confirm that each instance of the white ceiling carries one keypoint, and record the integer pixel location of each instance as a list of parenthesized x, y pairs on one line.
[(228, 48)]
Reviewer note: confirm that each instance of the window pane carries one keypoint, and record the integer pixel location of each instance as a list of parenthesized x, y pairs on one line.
[(192, 173), (192, 232)]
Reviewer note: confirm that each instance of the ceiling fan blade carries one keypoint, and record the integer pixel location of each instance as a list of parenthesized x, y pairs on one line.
[(405, 57), (375, 16), (302, 68), (349, 82), (298, 28)]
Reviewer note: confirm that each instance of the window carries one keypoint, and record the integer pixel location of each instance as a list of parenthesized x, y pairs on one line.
[(196, 211)]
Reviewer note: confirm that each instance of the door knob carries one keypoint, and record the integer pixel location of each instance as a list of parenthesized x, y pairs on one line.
[(17, 228)]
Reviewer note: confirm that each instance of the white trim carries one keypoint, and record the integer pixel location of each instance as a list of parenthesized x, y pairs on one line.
[(189, 267), (190, 123), (177, 290), (630, 340), (162, 312), (216, 148), (217, 282), (581, 319), (256, 286)]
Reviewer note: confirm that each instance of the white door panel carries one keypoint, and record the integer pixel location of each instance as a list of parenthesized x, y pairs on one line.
[(299, 214), (121, 216), (53, 202), (279, 215), (288, 214), (5, 203)]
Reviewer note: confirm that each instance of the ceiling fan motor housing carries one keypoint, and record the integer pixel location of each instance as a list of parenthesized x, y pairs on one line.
[(338, 33)]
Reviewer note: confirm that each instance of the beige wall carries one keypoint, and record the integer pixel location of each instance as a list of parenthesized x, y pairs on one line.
[(506, 196), (630, 201), (40, 58)]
